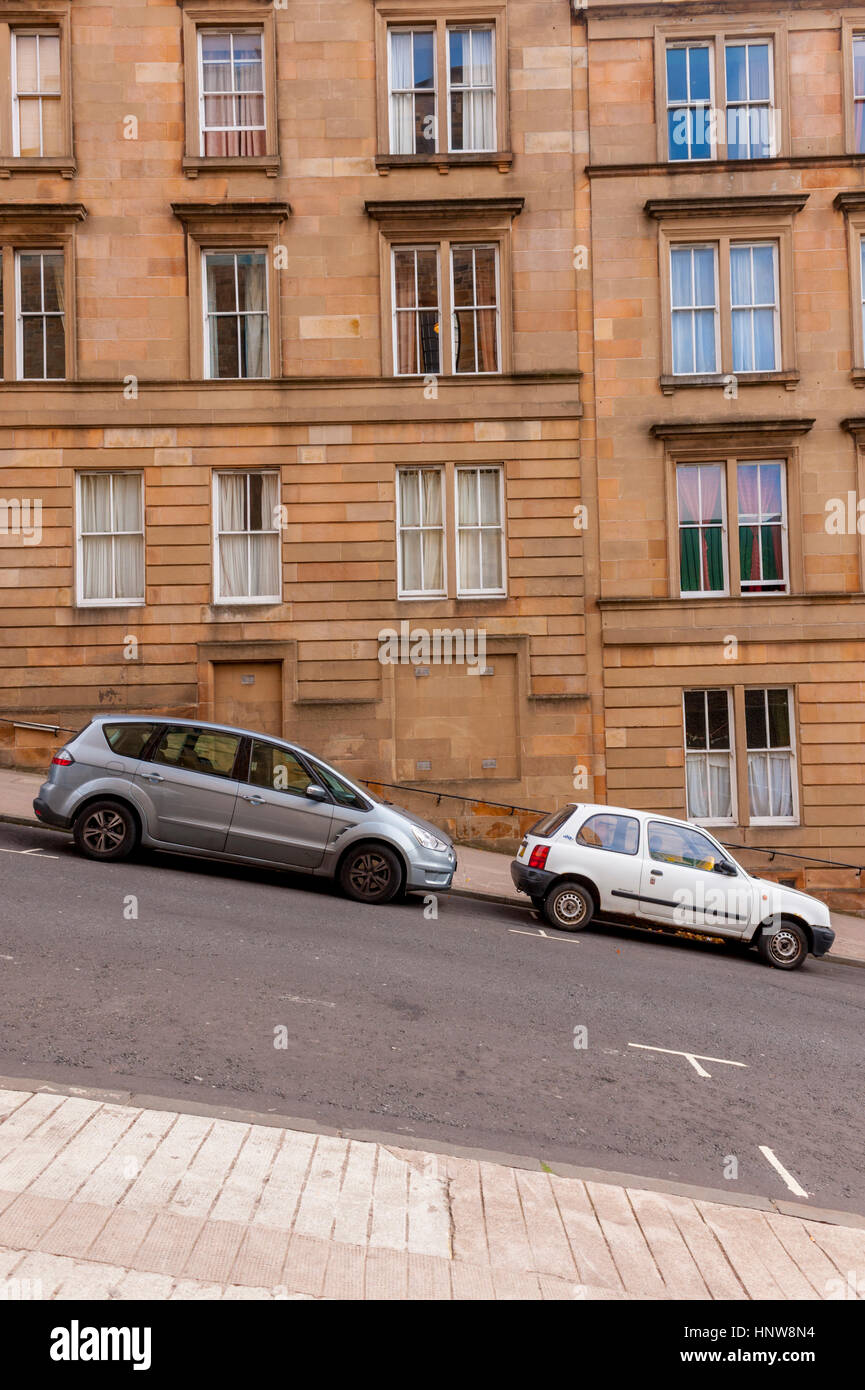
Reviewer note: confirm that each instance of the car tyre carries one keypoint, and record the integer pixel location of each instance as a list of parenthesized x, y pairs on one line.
[(569, 906), (784, 947), (371, 873), (105, 830)]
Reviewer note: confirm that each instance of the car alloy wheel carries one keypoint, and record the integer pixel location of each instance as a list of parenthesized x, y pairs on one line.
[(371, 874), (105, 830), (569, 907)]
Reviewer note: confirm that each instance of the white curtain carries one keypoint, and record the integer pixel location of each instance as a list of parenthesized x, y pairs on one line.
[(248, 561), (233, 556), (770, 784), (421, 551), (709, 785), (112, 563), (401, 101), (252, 288), (481, 108), (128, 549)]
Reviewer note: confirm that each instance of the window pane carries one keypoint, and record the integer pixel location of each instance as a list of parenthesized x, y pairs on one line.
[(52, 132), (96, 560), (704, 275), (29, 127), (455, 48), (30, 280), (704, 341), (764, 275), (491, 559), (859, 68), (467, 498), (33, 357), (424, 61), (464, 345), (221, 292), (463, 275), (490, 496), (254, 348), (55, 349), (695, 719), (216, 48), (427, 279), (128, 739), (711, 500), (264, 565), (433, 559), (409, 497), (688, 492), (488, 354), (701, 86), (764, 340), (95, 502), (26, 62), (680, 269), (277, 769), (779, 718), (677, 74), (758, 70), (718, 711), (431, 482), (247, 48), (740, 275), (129, 567), (737, 72), (410, 560), (485, 274), (52, 281), (233, 567), (49, 63), (127, 502), (225, 361), (755, 718)]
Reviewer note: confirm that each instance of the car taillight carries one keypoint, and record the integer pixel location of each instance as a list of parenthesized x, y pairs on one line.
[(539, 856), (62, 759)]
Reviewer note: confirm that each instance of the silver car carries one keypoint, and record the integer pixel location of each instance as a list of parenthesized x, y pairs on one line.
[(234, 794)]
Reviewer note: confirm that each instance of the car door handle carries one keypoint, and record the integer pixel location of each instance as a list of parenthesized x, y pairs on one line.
[(253, 800), (153, 777), (657, 873)]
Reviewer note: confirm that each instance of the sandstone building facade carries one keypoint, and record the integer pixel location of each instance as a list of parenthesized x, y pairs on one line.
[(291, 361), (541, 323), (724, 186)]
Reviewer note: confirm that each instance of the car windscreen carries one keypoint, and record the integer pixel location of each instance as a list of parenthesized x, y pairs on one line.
[(547, 826)]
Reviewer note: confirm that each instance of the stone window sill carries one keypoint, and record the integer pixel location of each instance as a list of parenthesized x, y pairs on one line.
[(670, 384), (501, 160)]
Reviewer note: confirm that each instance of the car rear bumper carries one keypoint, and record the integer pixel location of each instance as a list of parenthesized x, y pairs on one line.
[(534, 882), (823, 939), (49, 817)]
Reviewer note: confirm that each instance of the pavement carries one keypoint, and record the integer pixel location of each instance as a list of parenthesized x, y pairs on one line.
[(120, 1197), (481, 873)]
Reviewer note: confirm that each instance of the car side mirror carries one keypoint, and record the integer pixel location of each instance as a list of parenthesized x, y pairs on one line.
[(724, 866), (316, 793)]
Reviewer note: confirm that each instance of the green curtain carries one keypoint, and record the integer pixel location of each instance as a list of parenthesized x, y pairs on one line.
[(690, 566)]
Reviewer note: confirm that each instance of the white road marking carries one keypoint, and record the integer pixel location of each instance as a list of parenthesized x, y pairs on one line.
[(515, 931), (300, 999), (39, 852), (779, 1168), (695, 1058)]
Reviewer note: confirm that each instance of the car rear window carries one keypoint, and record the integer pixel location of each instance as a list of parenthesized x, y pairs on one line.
[(621, 834), (547, 826), (128, 740)]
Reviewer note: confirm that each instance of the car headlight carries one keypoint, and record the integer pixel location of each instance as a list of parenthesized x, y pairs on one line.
[(428, 841)]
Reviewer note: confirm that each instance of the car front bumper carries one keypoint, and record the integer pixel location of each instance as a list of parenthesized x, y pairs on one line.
[(534, 882), (437, 871), (823, 939)]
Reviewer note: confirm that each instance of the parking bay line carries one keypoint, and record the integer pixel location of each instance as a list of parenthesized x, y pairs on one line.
[(569, 941), (695, 1058), (38, 852), (791, 1182)]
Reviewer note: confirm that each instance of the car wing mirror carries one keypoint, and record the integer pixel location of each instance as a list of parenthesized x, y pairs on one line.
[(316, 793), (724, 866)]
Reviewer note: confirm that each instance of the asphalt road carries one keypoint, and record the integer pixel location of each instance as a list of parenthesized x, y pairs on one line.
[(459, 1029)]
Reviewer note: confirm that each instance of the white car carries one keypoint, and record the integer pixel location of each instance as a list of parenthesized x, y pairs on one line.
[(605, 862)]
